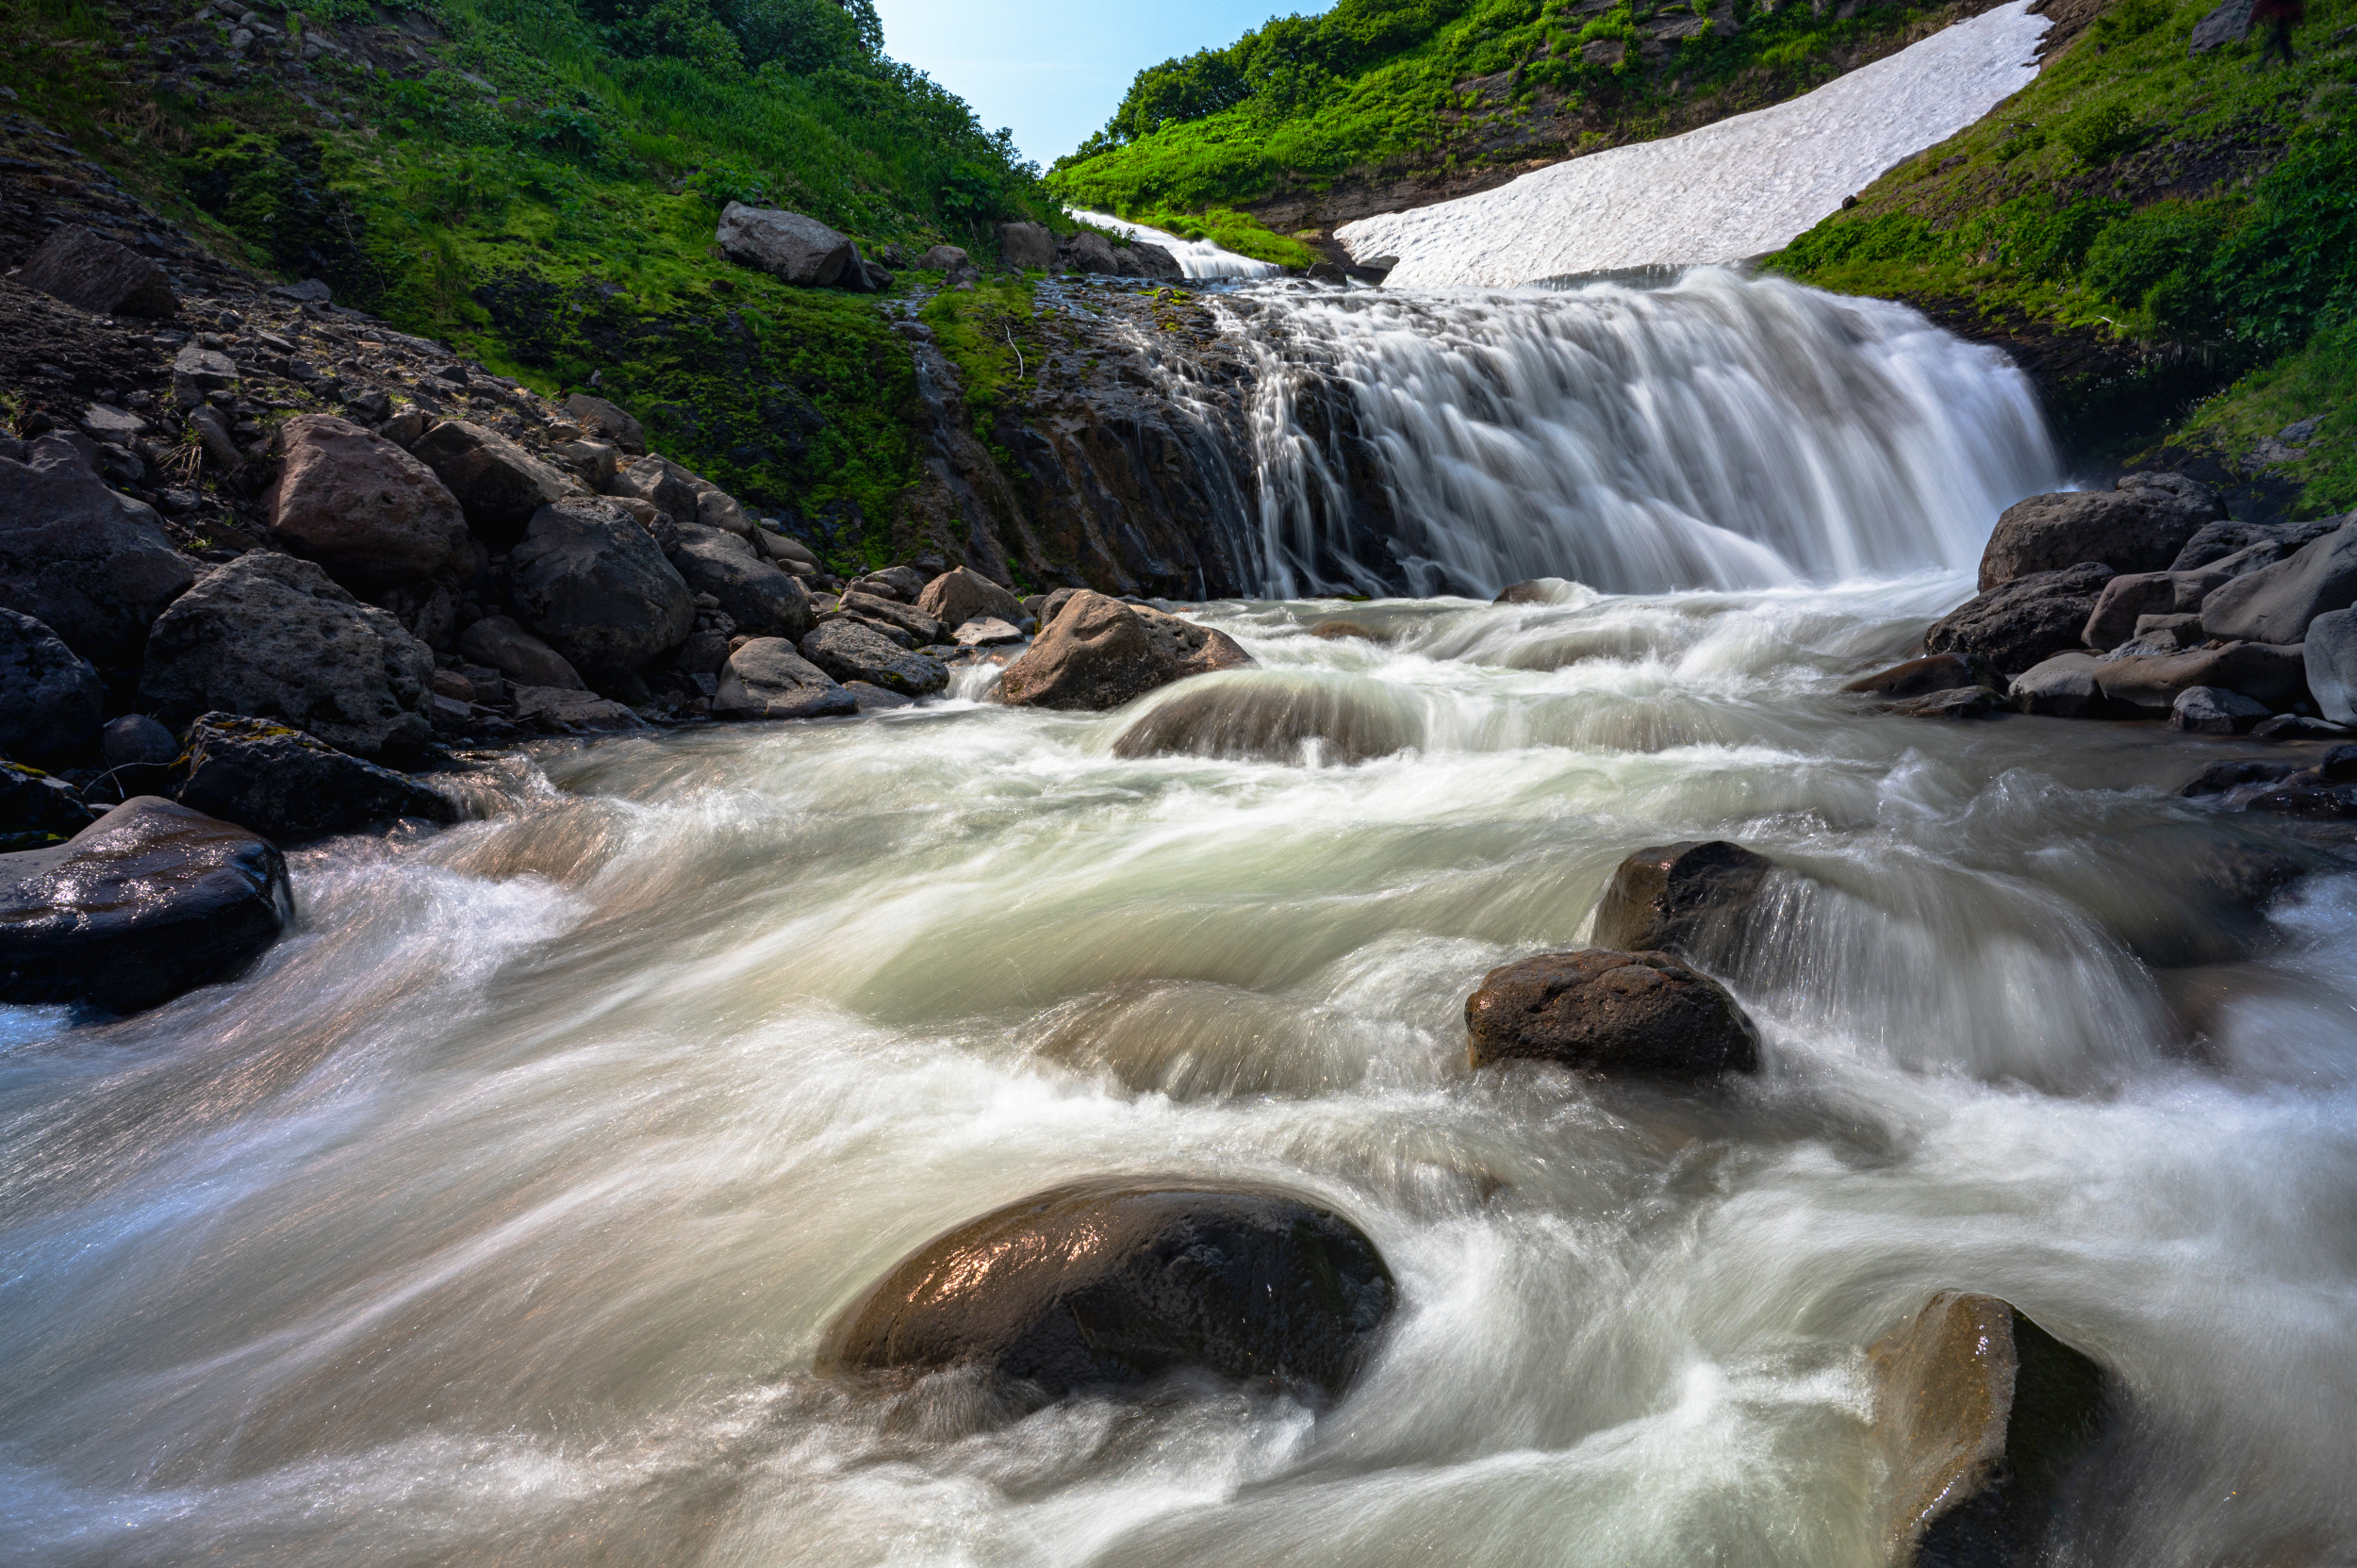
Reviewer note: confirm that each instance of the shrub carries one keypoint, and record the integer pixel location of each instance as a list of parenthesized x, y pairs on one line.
[(2102, 133)]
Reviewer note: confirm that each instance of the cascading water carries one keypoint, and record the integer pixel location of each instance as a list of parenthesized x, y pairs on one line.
[(497, 1217)]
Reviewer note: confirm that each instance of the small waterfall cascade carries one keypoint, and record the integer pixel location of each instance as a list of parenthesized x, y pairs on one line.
[(1196, 259), (1720, 432)]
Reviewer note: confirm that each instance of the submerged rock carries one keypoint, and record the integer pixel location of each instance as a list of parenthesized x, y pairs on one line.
[(1982, 1415), (1925, 677), (1100, 654), (1624, 1015), (1266, 720), (1110, 1284), (150, 900), (1672, 896), (284, 784)]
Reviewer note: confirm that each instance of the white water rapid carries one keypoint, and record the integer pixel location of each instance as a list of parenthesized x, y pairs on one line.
[(1737, 187), (495, 1218), (1196, 259)]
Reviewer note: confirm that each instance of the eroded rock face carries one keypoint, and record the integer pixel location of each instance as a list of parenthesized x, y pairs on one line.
[(762, 601), (2025, 622), (1266, 720), (767, 679), (1622, 1014), (360, 507), (1982, 1415), (1100, 654), (1109, 1285), (97, 275), (148, 901), (2275, 603), (51, 699), (2139, 526), (788, 245), (498, 485), (286, 784), (81, 560), (850, 651), (270, 636), (595, 586), (1672, 898), (957, 597)]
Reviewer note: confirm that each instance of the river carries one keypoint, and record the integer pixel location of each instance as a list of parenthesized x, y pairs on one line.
[(496, 1216)]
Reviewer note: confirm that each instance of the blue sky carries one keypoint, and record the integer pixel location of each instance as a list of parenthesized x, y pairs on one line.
[(1054, 69)]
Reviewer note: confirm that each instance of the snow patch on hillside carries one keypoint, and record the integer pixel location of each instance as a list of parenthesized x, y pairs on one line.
[(1731, 190), (1196, 257)]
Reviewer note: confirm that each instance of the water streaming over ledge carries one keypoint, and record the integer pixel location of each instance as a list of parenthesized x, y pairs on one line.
[(494, 1218)]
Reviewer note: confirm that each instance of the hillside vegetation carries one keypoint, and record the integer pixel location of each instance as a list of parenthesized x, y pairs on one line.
[(2193, 214), (537, 182)]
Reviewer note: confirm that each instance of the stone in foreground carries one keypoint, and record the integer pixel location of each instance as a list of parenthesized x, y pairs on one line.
[(851, 651), (1110, 1284), (2025, 622), (957, 597), (1100, 654), (1982, 1415), (285, 784), (90, 564), (1672, 897), (148, 901), (2214, 711), (596, 585), (359, 506), (1619, 1014), (1925, 677), (2139, 526), (767, 679)]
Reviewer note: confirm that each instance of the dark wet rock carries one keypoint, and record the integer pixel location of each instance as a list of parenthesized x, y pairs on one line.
[(957, 597), (766, 679), (762, 601), (669, 487), (98, 275), (874, 698), (850, 651), (562, 711), (2276, 604), (270, 636), (2214, 711), (51, 698), (1934, 672), (2263, 543), (2150, 684), (1676, 898), (2294, 726), (500, 642), (606, 423), (1982, 1416), (286, 784), (1624, 1015), (359, 506), (1109, 1285), (148, 901), (498, 485), (91, 565), (1100, 654), (1955, 703), (2060, 687), (1027, 247), (38, 809), (592, 583), (1267, 719), (2024, 623), (2139, 526), (136, 740), (789, 246), (2222, 777), (2315, 801)]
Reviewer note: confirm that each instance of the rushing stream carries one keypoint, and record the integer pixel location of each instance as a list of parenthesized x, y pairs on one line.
[(496, 1216)]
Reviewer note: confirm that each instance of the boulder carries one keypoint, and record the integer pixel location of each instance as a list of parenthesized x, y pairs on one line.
[(1981, 1415), (594, 585), (791, 553), (51, 698), (1934, 672), (2229, 23), (2150, 684), (788, 245), (560, 711), (270, 636), (667, 485), (97, 275), (2138, 526), (941, 258), (284, 784), (2329, 657), (506, 647), (875, 699), (37, 809), (2214, 711), (365, 510), (1674, 898), (498, 485), (2060, 687), (957, 597), (2221, 777), (2262, 543), (606, 423), (904, 583), (766, 679), (891, 618), (986, 632), (2024, 621), (1111, 1284), (1622, 1014), (718, 509), (1150, 260), (1027, 247), (1052, 606), (2275, 602), (1267, 719), (850, 651), (1100, 654), (92, 567), (136, 740), (762, 601), (594, 463), (150, 900), (1091, 252)]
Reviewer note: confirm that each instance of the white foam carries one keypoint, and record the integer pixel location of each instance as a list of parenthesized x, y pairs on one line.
[(1196, 257), (1731, 190)]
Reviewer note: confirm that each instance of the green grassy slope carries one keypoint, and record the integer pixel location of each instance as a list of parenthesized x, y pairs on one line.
[(2190, 218), (538, 181)]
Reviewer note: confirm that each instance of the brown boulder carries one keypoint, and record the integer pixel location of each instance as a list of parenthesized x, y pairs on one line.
[(359, 506), (1980, 1414), (1934, 672), (1622, 1014), (2024, 623), (1100, 653), (957, 597), (99, 275), (498, 484), (1268, 718), (2139, 526), (606, 423), (1672, 896), (2151, 684)]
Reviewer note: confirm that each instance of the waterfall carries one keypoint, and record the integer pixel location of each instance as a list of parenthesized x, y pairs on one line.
[(1196, 259), (1718, 432)]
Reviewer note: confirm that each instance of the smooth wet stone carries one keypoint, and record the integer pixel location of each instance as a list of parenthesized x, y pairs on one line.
[(1266, 720), (1924, 677), (1671, 897), (2139, 526), (1109, 1285), (1624, 1015), (2214, 711), (767, 679), (148, 901), (1982, 1416), (1100, 653), (957, 597)]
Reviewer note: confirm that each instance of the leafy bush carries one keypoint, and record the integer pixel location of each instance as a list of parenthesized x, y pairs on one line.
[(2156, 261), (2102, 133), (2050, 243)]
